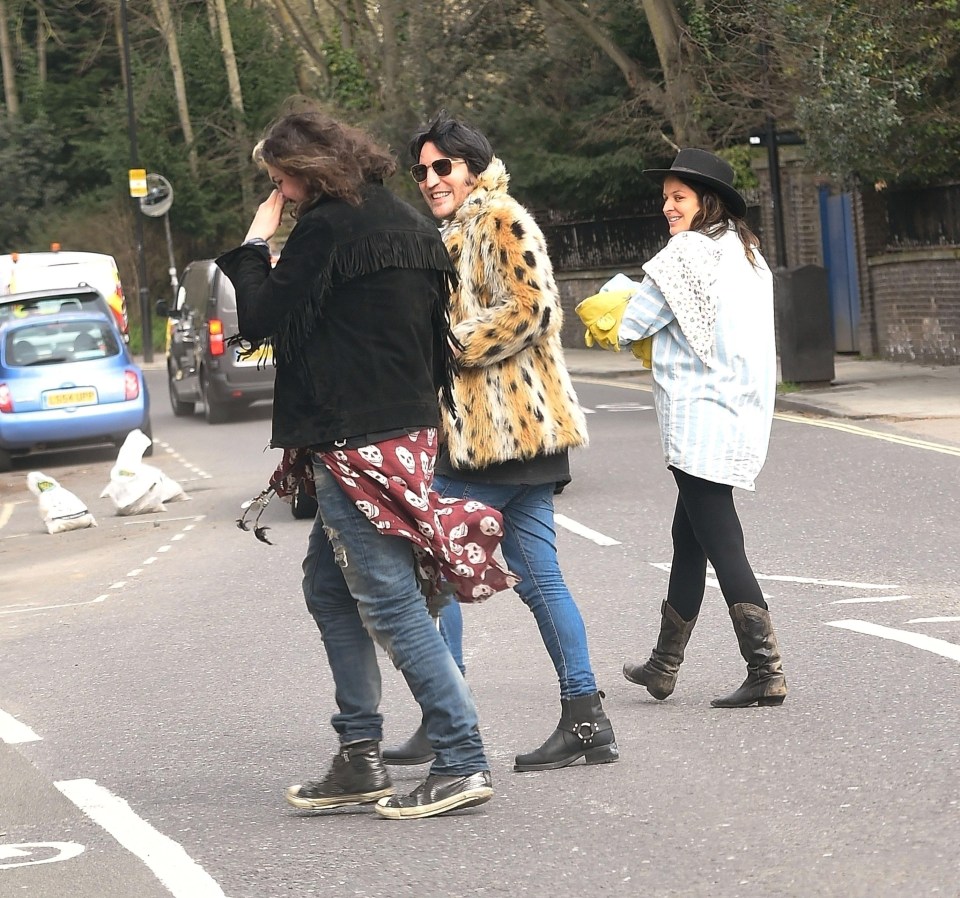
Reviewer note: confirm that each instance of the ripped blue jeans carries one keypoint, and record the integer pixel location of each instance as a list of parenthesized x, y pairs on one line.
[(361, 588)]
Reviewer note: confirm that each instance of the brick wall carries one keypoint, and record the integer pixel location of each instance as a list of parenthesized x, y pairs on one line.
[(916, 301), (575, 286)]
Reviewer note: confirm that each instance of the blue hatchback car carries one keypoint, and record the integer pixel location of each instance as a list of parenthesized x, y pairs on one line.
[(67, 379)]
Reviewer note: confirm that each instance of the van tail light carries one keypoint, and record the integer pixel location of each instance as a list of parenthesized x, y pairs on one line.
[(131, 385), (215, 329), (6, 399), (119, 309)]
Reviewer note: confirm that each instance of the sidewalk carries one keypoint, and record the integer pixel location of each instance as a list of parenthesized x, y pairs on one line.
[(918, 399)]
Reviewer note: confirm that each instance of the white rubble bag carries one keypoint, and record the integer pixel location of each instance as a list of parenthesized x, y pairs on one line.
[(136, 487), (60, 509)]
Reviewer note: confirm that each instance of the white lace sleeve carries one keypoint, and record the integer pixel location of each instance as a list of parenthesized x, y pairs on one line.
[(685, 272)]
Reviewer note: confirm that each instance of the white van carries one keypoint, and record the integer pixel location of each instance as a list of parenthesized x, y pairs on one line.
[(26, 272)]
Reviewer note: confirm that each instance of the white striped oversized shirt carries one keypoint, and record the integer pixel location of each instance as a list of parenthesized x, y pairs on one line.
[(714, 418)]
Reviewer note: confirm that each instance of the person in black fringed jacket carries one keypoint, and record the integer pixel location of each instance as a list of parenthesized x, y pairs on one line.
[(356, 308)]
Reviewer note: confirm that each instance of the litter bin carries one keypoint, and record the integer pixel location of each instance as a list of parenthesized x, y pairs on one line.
[(804, 324)]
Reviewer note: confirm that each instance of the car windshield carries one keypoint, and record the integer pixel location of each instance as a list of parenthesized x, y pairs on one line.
[(59, 342), (13, 309)]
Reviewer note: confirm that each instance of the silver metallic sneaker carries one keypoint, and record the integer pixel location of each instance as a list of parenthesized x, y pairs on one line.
[(439, 795), (356, 776)]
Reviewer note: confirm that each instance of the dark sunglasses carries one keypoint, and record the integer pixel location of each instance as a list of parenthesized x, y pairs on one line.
[(442, 167)]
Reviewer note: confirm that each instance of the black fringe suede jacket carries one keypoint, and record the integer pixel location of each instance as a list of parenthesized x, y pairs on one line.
[(357, 311)]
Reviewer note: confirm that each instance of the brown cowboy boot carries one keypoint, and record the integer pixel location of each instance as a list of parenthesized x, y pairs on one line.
[(659, 673), (765, 683)]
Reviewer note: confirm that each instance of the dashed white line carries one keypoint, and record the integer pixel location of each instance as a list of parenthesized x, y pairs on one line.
[(917, 640), (866, 600), (934, 620), (13, 732), (28, 608), (578, 528), (168, 860)]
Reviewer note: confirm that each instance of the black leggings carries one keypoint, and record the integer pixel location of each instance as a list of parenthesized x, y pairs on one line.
[(706, 526)]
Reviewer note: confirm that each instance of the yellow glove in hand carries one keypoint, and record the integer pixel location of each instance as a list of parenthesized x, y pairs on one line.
[(643, 350), (602, 314)]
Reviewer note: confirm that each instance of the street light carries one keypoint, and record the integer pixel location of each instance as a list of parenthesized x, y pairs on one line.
[(771, 138), (156, 204), (145, 317)]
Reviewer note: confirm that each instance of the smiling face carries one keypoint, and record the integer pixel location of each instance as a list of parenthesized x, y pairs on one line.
[(294, 189), (444, 195), (680, 204)]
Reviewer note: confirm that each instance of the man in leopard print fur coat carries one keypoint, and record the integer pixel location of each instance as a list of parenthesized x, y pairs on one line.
[(516, 417)]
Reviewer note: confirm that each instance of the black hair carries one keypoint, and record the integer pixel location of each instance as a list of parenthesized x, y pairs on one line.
[(457, 139)]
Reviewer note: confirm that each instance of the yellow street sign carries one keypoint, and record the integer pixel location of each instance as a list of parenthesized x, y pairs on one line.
[(138, 182)]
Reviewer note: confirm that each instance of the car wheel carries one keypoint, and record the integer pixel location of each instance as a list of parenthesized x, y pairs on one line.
[(303, 505), (180, 409), (214, 412), (6, 461), (147, 428)]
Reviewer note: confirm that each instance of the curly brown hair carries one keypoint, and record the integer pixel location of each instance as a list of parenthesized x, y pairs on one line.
[(332, 158), (714, 217)]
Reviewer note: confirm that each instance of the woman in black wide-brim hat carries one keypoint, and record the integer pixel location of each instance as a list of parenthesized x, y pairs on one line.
[(706, 304)]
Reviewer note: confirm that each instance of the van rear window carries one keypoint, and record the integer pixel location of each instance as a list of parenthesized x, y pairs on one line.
[(11, 308)]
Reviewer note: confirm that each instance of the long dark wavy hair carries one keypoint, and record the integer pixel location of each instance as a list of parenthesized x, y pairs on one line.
[(333, 159), (714, 217)]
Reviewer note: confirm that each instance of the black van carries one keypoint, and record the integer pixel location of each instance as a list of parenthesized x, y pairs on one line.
[(200, 365)]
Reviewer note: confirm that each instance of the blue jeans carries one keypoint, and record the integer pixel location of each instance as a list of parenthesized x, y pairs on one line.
[(530, 550), (361, 586)]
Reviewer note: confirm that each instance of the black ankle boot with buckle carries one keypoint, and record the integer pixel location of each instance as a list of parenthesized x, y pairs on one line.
[(584, 731)]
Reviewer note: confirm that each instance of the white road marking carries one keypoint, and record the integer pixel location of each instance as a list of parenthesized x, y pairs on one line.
[(28, 608), (708, 580), (934, 620), (864, 600), (578, 528), (625, 407), (168, 861), (13, 732), (917, 640), (115, 587), (845, 584), (65, 851)]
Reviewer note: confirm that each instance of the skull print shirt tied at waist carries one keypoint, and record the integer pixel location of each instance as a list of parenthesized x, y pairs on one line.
[(454, 540)]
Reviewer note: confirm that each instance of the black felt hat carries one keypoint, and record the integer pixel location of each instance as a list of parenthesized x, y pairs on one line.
[(705, 168)]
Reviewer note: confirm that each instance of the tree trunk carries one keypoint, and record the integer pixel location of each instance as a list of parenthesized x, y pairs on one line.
[(8, 66), (236, 102), (43, 35), (680, 90), (165, 21), (676, 97)]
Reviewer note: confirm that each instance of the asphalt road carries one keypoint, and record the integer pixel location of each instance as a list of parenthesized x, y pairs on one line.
[(160, 684)]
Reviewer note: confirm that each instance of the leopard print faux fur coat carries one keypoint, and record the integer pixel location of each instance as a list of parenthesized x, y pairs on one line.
[(514, 397)]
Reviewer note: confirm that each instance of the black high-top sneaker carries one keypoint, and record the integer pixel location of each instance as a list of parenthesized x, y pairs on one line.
[(356, 776)]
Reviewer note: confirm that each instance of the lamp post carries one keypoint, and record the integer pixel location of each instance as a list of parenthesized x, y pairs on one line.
[(144, 293), (771, 138), (156, 204)]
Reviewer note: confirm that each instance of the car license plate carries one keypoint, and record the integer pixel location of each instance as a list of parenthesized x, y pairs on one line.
[(61, 398), (260, 356)]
